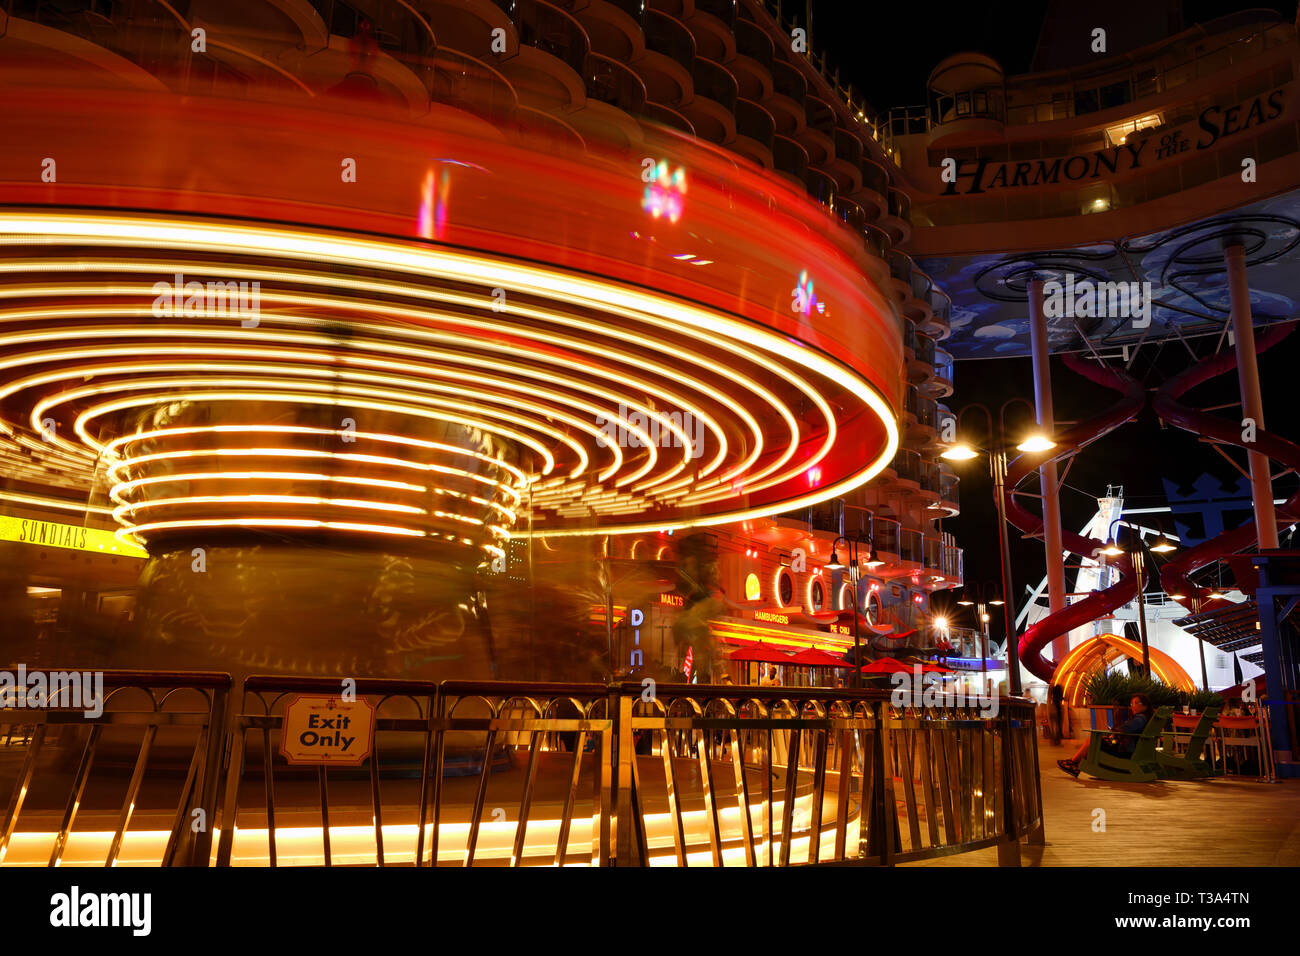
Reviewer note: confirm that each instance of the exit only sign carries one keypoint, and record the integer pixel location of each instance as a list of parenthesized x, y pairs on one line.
[(327, 731)]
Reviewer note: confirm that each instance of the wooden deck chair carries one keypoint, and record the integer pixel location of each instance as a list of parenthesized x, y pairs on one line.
[(1141, 766), (1192, 764)]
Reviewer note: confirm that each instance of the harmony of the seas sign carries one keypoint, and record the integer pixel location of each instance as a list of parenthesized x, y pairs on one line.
[(967, 177)]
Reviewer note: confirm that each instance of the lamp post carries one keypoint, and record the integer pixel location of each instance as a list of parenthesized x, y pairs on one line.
[(1138, 555), (981, 606), (834, 564), (1036, 442)]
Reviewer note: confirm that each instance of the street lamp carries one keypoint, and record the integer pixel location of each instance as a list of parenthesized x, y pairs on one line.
[(835, 565), (1035, 442), (981, 606), (1138, 555)]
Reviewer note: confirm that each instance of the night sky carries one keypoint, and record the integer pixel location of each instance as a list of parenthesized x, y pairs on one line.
[(887, 51)]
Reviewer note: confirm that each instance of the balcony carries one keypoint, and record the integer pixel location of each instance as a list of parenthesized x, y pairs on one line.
[(937, 324), (466, 83), (753, 42), (790, 158), (633, 8), (846, 162), (907, 465), (724, 10), (668, 61), (875, 188), (913, 546), (754, 129), (713, 109), (900, 274), (953, 568), (826, 517), (877, 242), (931, 479), (925, 411), (609, 81), (787, 102), (553, 31), (885, 535), (932, 555), (949, 485), (816, 134), (897, 220), (940, 383), (821, 187), (851, 214)]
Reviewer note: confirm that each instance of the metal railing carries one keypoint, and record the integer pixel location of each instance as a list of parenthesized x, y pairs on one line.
[(68, 766), (907, 465), (912, 545), (469, 773), (932, 554), (756, 777)]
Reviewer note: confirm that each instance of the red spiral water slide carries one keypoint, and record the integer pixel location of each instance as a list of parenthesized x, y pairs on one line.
[(1175, 573), (1132, 399), (1166, 405)]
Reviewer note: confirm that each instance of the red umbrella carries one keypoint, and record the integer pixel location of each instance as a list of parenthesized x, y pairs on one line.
[(815, 658), (1232, 693), (935, 669), (886, 665), (758, 652)]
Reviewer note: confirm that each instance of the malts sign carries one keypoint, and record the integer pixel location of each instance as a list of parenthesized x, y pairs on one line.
[(966, 177)]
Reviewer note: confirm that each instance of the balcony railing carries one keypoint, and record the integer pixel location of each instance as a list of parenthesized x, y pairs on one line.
[(850, 213), (848, 148), (874, 178), (788, 81), (953, 568), (789, 157), (877, 242), (907, 464), (714, 82), (913, 546), (755, 122), (942, 361), (633, 8), (828, 516), (931, 477), (949, 486), (469, 84), (610, 81), (924, 410), (666, 35), (900, 206), (724, 10), (885, 535), (821, 187), (752, 42), (932, 554), (900, 266)]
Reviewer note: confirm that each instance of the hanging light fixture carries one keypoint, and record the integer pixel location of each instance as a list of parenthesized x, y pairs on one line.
[(959, 452), (1036, 442)]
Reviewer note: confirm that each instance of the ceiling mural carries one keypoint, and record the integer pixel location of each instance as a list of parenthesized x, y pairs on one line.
[(1187, 295)]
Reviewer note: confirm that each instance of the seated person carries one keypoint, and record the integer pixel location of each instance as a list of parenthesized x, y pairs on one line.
[(1116, 744)]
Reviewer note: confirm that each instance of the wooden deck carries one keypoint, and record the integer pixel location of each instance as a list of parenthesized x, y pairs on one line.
[(1220, 822)]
